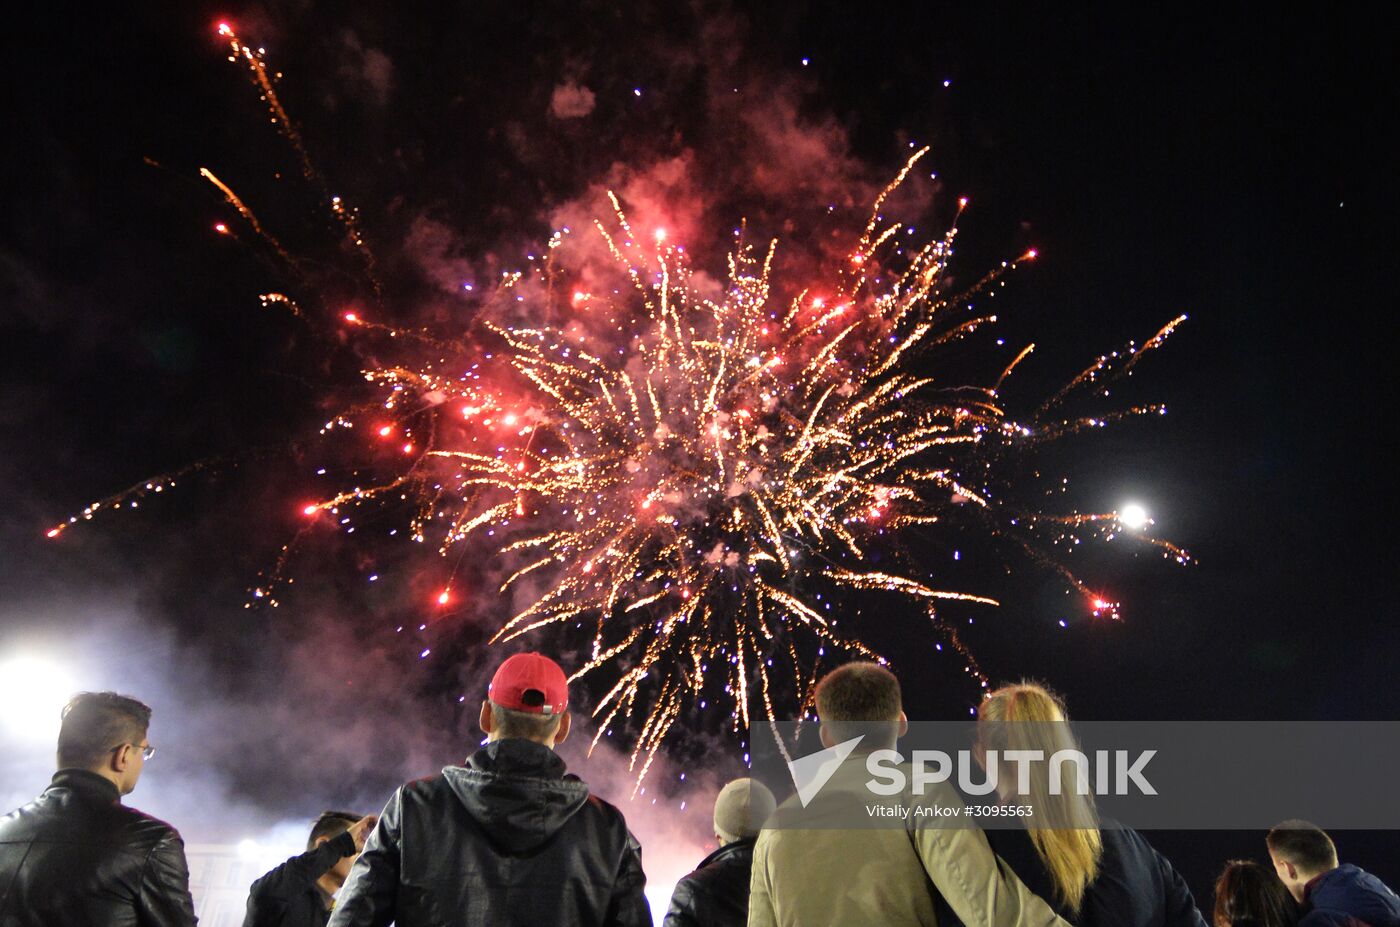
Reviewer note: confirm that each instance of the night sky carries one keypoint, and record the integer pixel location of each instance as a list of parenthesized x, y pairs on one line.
[(1229, 166)]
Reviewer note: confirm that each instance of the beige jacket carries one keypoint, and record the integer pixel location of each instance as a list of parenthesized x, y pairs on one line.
[(806, 876)]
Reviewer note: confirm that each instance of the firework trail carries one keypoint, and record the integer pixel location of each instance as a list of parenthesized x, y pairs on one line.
[(693, 470), (254, 60)]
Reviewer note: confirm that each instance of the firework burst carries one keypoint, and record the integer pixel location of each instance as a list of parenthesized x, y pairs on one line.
[(693, 468), (694, 477)]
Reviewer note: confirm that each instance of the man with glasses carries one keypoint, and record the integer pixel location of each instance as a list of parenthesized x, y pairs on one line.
[(76, 855)]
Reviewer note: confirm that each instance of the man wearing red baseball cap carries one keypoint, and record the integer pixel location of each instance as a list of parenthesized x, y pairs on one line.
[(509, 838)]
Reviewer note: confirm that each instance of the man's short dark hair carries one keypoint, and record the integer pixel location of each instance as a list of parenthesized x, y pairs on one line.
[(860, 699), (1303, 844), (94, 723), (527, 724), (331, 824)]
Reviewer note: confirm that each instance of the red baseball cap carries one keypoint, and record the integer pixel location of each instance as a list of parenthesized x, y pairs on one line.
[(530, 682)]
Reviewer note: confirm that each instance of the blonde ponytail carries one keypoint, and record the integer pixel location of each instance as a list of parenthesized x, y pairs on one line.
[(1066, 835)]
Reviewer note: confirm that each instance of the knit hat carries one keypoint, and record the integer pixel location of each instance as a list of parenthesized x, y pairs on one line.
[(741, 808)]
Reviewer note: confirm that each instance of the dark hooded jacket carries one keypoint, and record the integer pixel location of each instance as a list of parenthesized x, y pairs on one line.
[(508, 839), (716, 894), (76, 855), (1350, 896)]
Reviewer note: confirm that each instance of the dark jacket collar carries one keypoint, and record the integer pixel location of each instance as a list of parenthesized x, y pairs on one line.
[(86, 784), (729, 851), (516, 756)]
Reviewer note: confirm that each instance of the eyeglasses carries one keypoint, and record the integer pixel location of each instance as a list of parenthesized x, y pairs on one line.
[(147, 751)]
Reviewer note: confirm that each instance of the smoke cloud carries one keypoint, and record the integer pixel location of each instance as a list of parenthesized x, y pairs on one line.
[(571, 101)]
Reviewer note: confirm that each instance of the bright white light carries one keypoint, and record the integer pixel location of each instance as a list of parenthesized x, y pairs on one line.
[(1133, 517), (659, 900), (248, 848), (33, 692)]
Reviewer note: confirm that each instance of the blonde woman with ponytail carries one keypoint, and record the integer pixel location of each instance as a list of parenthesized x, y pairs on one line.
[(1092, 875)]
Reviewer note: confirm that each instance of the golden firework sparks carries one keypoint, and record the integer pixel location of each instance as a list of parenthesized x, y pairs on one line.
[(696, 470)]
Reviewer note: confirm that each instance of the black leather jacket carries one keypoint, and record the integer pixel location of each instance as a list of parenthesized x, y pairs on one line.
[(716, 894), (76, 856), (509, 839)]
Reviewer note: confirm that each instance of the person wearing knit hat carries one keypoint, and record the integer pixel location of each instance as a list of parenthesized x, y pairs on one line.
[(508, 838), (716, 894), (740, 810)]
